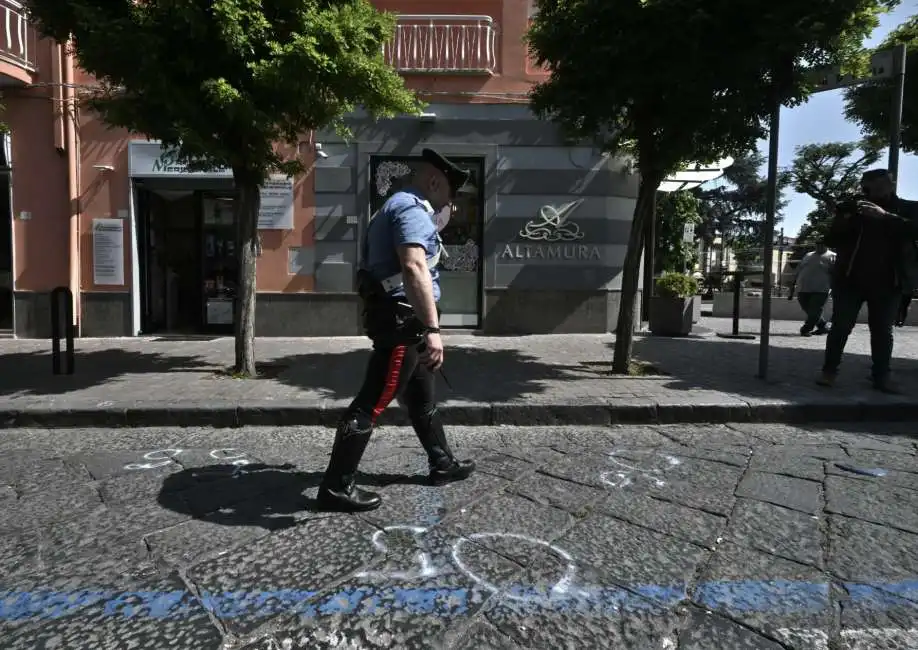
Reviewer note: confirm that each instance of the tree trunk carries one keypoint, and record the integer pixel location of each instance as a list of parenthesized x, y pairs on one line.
[(247, 240), (624, 331)]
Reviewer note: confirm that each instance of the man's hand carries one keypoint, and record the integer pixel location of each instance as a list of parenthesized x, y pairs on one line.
[(432, 351), (872, 210)]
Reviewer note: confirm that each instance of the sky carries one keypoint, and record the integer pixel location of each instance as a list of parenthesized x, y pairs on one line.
[(822, 119)]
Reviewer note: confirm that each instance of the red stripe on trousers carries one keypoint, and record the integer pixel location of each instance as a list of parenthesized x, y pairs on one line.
[(391, 385)]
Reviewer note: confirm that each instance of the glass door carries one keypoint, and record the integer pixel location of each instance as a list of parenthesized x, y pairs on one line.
[(220, 270), (461, 268)]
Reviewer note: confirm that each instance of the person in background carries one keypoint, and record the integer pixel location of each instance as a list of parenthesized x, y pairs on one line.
[(903, 309), (812, 281), (872, 234)]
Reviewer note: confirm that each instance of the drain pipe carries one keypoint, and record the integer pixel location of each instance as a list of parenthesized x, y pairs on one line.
[(73, 181)]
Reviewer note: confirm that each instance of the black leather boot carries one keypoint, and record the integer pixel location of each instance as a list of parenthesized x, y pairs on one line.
[(444, 467), (337, 491)]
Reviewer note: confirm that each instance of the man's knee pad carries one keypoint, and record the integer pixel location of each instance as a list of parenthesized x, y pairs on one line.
[(356, 423)]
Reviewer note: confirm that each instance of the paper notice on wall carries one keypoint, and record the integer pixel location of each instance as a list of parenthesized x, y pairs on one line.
[(108, 252), (276, 211)]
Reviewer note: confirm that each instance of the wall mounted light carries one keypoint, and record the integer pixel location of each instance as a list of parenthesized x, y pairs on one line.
[(319, 151), (428, 117)]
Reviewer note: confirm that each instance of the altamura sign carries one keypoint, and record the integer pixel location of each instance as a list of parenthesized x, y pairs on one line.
[(551, 237)]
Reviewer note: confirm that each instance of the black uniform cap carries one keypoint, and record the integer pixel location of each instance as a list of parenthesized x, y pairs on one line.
[(455, 176)]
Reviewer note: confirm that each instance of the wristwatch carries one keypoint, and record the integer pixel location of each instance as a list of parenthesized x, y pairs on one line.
[(431, 330)]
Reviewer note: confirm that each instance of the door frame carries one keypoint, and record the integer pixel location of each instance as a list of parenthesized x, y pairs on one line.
[(463, 160), (6, 168)]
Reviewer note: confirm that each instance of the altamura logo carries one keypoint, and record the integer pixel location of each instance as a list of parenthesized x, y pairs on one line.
[(553, 235)]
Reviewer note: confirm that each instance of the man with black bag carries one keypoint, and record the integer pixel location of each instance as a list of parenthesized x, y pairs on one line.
[(874, 236), (399, 285)]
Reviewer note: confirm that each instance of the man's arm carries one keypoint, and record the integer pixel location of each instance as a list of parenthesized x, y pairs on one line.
[(411, 231), (418, 285)]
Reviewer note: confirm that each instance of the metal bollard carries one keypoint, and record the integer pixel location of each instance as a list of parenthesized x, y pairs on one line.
[(65, 294), (737, 288)]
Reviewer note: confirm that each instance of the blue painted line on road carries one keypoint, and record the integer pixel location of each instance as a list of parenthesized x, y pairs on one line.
[(776, 597)]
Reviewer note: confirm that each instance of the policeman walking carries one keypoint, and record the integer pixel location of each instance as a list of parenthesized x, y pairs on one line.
[(399, 286)]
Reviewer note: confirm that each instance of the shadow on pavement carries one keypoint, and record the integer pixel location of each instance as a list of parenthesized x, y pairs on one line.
[(475, 375), (716, 364), (257, 494), (30, 373)]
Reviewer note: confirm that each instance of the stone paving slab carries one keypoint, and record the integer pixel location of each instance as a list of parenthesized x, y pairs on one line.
[(528, 380), (632, 537)]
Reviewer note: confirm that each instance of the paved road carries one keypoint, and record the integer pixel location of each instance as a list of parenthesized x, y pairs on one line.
[(673, 538)]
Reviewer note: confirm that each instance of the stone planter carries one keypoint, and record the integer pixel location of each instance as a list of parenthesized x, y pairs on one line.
[(671, 316)]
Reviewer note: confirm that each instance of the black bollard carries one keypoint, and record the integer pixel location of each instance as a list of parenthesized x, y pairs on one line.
[(737, 288), (57, 296)]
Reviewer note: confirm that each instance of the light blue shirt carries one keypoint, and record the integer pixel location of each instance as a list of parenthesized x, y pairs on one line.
[(404, 219)]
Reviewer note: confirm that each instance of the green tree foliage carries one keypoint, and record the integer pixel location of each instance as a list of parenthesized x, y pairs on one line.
[(733, 207), (826, 172), (674, 81), (675, 210), (870, 104), (225, 81)]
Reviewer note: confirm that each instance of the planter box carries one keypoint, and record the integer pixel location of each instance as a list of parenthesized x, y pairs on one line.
[(671, 316)]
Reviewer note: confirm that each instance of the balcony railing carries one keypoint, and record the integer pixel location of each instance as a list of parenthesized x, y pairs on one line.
[(17, 38), (441, 43)]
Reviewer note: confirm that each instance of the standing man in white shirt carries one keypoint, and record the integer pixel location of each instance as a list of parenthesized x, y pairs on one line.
[(812, 282)]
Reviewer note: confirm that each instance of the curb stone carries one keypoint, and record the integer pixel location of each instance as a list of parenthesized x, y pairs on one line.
[(597, 413)]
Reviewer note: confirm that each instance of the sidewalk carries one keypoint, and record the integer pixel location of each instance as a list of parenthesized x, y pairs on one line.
[(533, 380)]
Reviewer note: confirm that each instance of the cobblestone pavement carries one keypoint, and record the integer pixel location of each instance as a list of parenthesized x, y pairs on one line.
[(513, 373), (713, 537)]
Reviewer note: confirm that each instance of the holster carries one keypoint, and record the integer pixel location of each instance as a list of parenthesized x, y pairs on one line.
[(387, 321)]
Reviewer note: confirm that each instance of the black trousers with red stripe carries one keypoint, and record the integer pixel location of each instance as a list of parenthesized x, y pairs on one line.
[(396, 372)]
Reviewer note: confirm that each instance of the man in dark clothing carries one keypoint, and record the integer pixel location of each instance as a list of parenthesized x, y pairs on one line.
[(869, 233), (399, 285)]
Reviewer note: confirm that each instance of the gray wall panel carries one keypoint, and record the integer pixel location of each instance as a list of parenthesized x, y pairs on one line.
[(562, 182), (405, 134), (336, 205), (579, 159), (556, 277), (334, 179), (335, 266), (592, 207), (337, 228)]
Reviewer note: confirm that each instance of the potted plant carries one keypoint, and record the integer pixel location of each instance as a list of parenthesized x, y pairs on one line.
[(672, 308)]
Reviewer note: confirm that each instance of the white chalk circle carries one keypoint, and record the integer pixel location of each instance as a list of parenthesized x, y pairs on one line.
[(159, 458), (561, 588), (238, 459)]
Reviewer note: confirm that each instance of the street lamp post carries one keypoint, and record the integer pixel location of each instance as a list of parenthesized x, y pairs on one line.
[(895, 131)]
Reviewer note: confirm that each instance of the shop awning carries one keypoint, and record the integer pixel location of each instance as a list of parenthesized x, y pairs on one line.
[(695, 175)]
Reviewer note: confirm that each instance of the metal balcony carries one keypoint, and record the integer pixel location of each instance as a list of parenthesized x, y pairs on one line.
[(443, 44), (17, 38)]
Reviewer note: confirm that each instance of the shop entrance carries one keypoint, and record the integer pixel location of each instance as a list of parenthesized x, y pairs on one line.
[(460, 272), (188, 262)]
